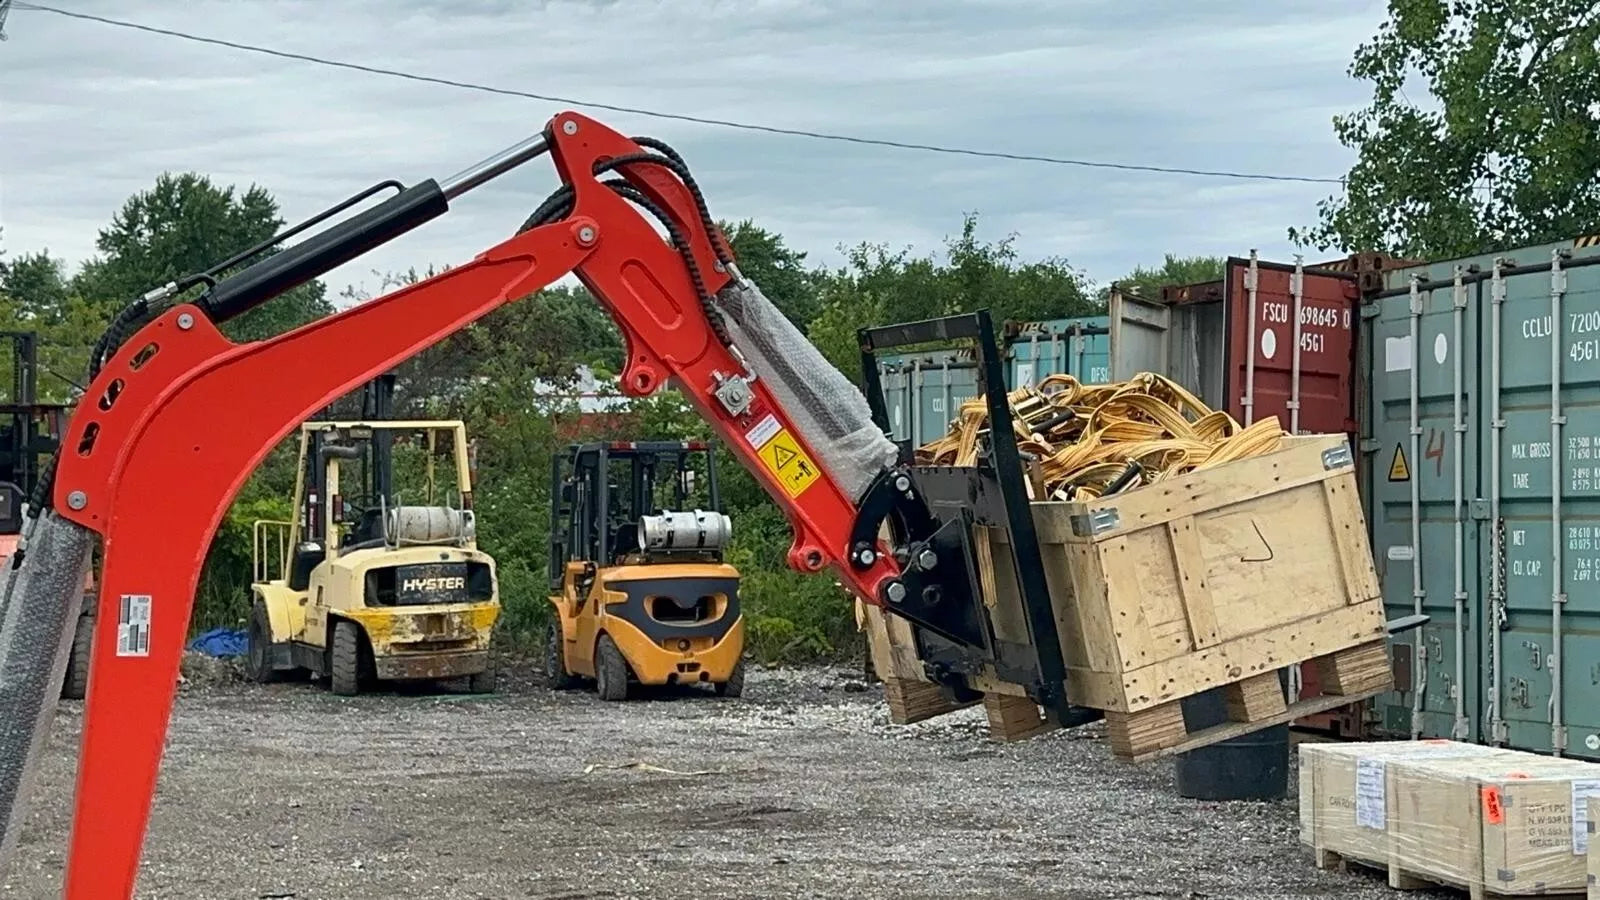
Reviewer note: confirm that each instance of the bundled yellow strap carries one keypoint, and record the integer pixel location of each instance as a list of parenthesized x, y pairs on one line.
[(1084, 437)]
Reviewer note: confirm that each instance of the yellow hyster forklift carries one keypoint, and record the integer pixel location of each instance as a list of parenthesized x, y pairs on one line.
[(640, 592), (383, 585)]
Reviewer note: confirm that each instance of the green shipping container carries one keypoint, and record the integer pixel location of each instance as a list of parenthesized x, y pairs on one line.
[(1482, 487)]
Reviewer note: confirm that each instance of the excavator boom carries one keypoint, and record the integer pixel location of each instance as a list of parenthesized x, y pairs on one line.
[(178, 416)]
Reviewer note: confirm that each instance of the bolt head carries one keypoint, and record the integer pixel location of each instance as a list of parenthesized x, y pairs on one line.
[(569, 126), (185, 321), (77, 500), (902, 483), (866, 556), (586, 235), (897, 592), (927, 559)]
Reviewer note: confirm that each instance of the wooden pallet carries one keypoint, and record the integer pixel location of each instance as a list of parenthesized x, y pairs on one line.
[(1253, 704), (1402, 879)]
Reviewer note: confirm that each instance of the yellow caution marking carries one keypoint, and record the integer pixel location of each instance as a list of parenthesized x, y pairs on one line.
[(1399, 470), (788, 463)]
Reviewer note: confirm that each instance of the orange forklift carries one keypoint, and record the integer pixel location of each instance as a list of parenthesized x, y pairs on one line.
[(639, 591)]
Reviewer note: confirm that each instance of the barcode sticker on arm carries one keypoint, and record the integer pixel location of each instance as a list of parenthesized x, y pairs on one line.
[(133, 625)]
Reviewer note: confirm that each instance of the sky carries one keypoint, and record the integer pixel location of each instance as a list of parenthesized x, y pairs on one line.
[(91, 113)]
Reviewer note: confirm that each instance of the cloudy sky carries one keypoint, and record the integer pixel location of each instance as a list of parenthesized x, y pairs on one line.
[(90, 113)]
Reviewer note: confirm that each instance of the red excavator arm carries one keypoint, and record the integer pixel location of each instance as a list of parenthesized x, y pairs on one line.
[(178, 416)]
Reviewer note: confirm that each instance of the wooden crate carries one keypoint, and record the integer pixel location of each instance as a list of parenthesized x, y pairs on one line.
[(1215, 579), (1491, 822), (1593, 807)]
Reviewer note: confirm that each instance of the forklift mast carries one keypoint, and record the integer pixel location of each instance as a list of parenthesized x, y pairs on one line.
[(592, 516), (29, 430)]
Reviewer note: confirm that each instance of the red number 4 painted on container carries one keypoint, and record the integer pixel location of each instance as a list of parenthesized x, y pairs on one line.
[(1436, 453)]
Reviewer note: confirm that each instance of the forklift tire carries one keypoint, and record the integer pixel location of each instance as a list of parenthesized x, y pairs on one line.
[(734, 686), (555, 666), (483, 682), (257, 648), (76, 684), (611, 670), (345, 666)]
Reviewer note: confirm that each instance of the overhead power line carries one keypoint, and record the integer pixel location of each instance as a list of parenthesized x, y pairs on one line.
[(681, 117)]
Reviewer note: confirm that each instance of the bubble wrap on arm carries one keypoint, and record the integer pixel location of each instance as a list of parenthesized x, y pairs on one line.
[(824, 405), (46, 596)]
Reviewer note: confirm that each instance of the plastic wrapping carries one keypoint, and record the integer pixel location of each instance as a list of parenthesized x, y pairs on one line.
[(825, 407), (1506, 821), (35, 640)]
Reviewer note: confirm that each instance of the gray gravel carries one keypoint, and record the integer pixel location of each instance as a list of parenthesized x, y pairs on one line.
[(801, 789)]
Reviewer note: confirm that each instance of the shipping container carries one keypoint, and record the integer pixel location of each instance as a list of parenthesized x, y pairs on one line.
[(1482, 431), (924, 390)]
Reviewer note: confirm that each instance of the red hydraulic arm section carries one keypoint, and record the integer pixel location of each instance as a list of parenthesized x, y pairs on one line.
[(179, 416)]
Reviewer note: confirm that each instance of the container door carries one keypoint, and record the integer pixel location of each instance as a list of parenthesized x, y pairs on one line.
[(1140, 333), (1079, 347), (1544, 511), (1305, 376), (1423, 394), (948, 380), (892, 374)]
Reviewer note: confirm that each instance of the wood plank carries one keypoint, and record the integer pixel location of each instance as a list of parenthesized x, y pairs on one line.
[(1299, 462), (1191, 571), (1227, 731), (1360, 578), (1146, 731), (1014, 718), (1356, 670), (1255, 698), (916, 701)]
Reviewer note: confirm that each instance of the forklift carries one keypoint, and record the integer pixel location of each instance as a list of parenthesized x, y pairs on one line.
[(30, 432), (375, 584), (640, 593)]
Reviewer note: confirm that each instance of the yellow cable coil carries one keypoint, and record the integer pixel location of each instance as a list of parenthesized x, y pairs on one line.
[(1084, 437)]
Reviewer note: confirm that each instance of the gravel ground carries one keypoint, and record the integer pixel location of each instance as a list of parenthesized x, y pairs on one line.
[(801, 789)]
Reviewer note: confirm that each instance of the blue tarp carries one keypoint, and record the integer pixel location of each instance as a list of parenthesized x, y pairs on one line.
[(221, 642)]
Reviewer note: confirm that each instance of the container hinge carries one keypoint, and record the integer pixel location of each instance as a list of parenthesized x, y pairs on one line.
[(1098, 522), (1479, 510), (1291, 404), (1371, 445), (1371, 310), (1559, 598), (1337, 457), (1558, 737), (1558, 420), (1416, 431), (1497, 424)]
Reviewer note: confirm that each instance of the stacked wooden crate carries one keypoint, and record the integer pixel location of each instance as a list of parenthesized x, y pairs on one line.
[(1217, 578), (1494, 822)]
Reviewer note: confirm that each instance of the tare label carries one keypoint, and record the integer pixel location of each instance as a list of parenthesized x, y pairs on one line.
[(133, 625)]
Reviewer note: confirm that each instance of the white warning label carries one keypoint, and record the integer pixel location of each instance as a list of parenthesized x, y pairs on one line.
[(133, 625)]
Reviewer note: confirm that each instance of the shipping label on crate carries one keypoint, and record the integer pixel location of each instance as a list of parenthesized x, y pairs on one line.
[(1582, 790), (1370, 794)]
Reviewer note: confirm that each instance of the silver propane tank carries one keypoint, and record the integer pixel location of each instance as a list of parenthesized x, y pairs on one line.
[(697, 530)]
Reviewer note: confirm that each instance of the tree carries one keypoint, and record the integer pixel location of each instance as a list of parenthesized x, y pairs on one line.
[(876, 287), (780, 271), (183, 225), (1505, 150), (37, 284), (1173, 270)]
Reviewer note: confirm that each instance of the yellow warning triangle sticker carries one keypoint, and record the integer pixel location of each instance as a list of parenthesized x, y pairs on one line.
[(1399, 470)]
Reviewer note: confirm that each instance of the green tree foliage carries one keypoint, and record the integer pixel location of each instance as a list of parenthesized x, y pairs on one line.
[(876, 287), (1502, 150), (781, 272), (35, 296), (1148, 282), (183, 225)]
